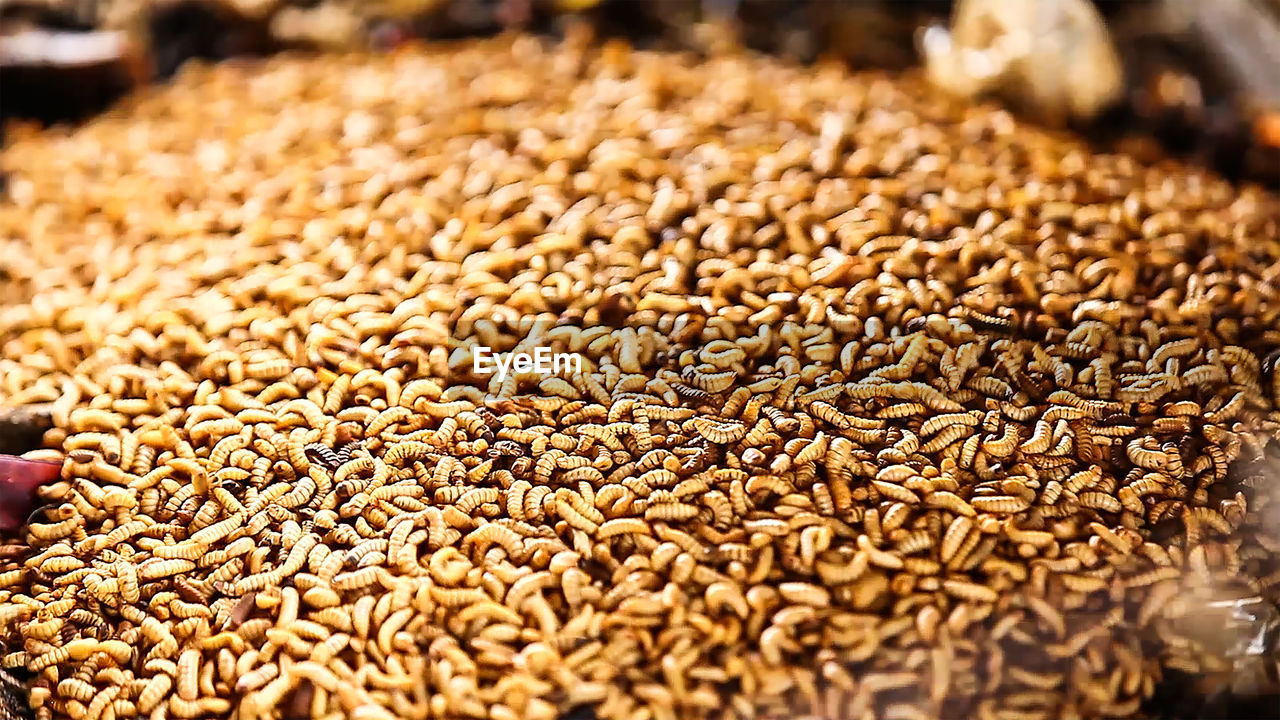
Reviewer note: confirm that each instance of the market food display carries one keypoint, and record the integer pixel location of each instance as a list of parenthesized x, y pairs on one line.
[(892, 406)]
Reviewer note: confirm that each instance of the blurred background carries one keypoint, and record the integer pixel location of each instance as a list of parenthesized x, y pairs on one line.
[(1194, 79)]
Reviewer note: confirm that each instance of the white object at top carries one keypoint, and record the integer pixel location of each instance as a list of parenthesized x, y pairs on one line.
[(42, 47), (1055, 55)]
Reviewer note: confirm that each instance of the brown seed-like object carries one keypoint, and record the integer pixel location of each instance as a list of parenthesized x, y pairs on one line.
[(889, 407)]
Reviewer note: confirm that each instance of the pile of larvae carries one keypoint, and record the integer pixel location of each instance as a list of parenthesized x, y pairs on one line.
[(890, 407)]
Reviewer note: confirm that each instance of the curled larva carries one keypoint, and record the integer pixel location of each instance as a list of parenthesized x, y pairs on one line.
[(1082, 583), (719, 432), (949, 501), (878, 557), (712, 382), (1034, 538), (969, 591), (957, 532), (1100, 501), (945, 420), (805, 594), (895, 492), (1000, 504)]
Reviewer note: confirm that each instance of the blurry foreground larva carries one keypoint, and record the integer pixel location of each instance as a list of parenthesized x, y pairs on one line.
[(889, 406)]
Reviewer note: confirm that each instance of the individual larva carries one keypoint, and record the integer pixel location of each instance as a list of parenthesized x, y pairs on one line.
[(889, 406)]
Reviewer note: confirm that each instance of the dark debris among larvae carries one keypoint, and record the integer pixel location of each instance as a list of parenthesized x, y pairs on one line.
[(892, 407)]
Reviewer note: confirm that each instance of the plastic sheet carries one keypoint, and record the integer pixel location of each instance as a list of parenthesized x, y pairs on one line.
[(1253, 644), (1243, 630)]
